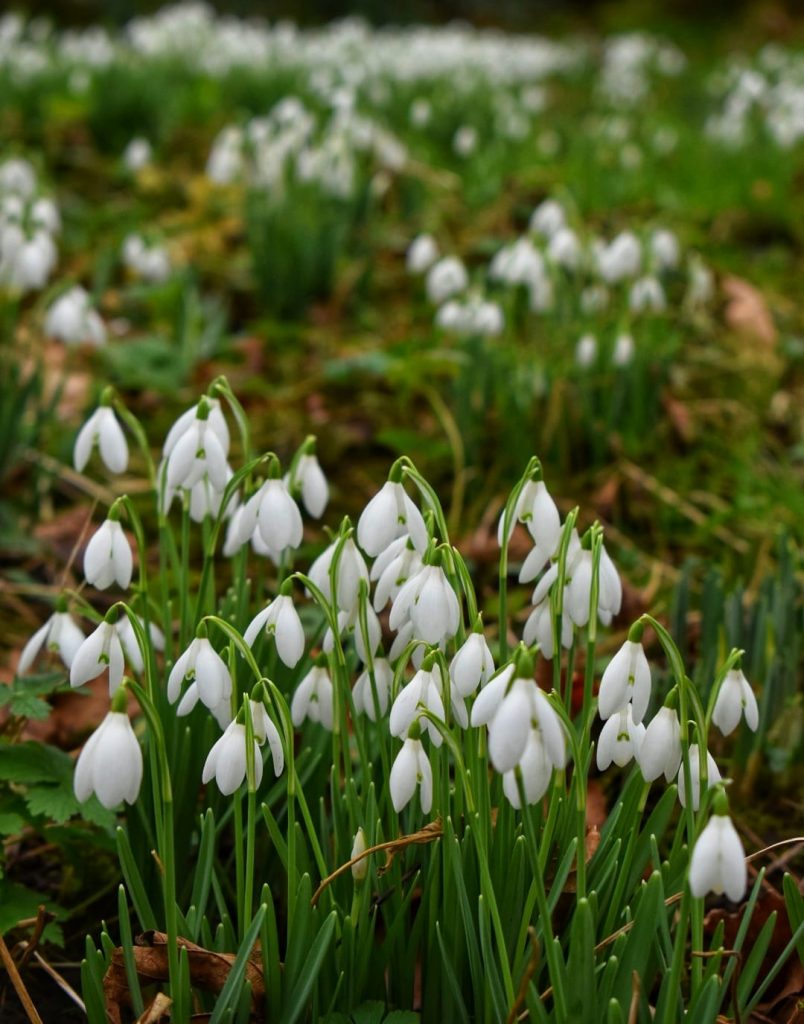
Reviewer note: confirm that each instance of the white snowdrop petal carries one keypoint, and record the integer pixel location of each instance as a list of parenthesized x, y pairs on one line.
[(425, 778), (256, 625), (732, 862), (87, 662), (289, 633), (377, 525), (508, 730), (32, 648), (84, 442), (112, 443), (404, 771)]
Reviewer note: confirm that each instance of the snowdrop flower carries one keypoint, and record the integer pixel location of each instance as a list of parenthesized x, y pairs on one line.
[(206, 408), (281, 620), (512, 704), (366, 641), (108, 558), (307, 478), (564, 249), (205, 499), (713, 776), (423, 692), (59, 634), (620, 739), (664, 249), (265, 730), (110, 765), (227, 760), (392, 568), (137, 154), (409, 770), (130, 645), (197, 452), (536, 770), (445, 279), (363, 693), (431, 604), (313, 699), (537, 510), (100, 651), (18, 177), (647, 295), (351, 570), (26, 262), (661, 747), (102, 429), (734, 699), (422, 254), (539, 629), (626, 679), (72, 319), (202, 665), (548, 218), (621, 258), (586, 351), (464, 142), (594, 299), (701, 284), (273, 513), (623, 352), (420, 112), (389, 515), (717, 863), (472, 665), (150, 262), (579, 587)]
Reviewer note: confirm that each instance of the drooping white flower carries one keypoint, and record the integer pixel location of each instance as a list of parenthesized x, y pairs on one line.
[(410, 769), (620, 739), (393, 568), (586, 351), (422, 254), (390, 514), (626, 679), (313, 698), (423, 692), (281, 620), (718, 863), (226, 761), (202, 665), (665, 249), (349, 624), (137, 154), (735, 698), (59, 634), (196, 453), (446, 278), (623, 352), (151, 262), (647, 296), (472, 665), (511, 711), (350, 570), (431, 604), (102, 429), (131, 647), (713, 776), (72, 319), (363, 692), (661, 748), (548, 218), (536, 769), (621, 258), (579, 587), (564, 249), (100, 651), (464, 142), (539, 629), (308, 478), (110, 765), (265, 730), (209, 407), (275, 515), (108, 558)]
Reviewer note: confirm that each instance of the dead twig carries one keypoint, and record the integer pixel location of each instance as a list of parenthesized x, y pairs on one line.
[(18, 983)]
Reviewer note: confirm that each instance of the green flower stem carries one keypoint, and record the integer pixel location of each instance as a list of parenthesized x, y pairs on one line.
[(136, 429), (508, 527), (220, 386), (251, 812), (551, 952), (557, 595), (579, 776), (184, 573), (167, 844)]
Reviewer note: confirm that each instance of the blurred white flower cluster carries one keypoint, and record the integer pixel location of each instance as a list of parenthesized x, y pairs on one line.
[(29, 224)]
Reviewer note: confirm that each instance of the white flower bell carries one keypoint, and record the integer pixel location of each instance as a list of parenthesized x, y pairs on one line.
[(100, 651), (422, 254), (735, 699), (430, 603), (281, 620), (713, 776), (227, 763), (411, 769), (108, 558), (313, 698), (363, 692), (718, 863), (59, 634), (620, 739), (72, 319), (389, 515), (202, 665), (661, 747), (110, 765), (423, 692), (446, 278), (473, 664), (307, 478), (102, 429), (626, 679)]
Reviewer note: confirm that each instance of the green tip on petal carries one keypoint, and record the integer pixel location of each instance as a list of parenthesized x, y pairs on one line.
[(720, 802), (396, 472), (671, 700), (258, 694), (524, 663), (201, 632), (119, 702), (478, 625), (415, 730), (203, 409), (286, 590), (107, 396), (61, 603)]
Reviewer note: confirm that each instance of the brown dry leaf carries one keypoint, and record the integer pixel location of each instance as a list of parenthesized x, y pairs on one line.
[(208, 971), (157, 1011), (679, 415), (746, 311)]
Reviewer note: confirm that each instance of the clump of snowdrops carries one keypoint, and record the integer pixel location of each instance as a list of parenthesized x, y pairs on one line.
[(334, 770)]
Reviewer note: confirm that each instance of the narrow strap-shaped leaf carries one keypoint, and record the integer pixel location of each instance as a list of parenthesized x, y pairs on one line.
[(297, 998), (459, 1006), (127, 945), (134, 883), (230, 993)]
